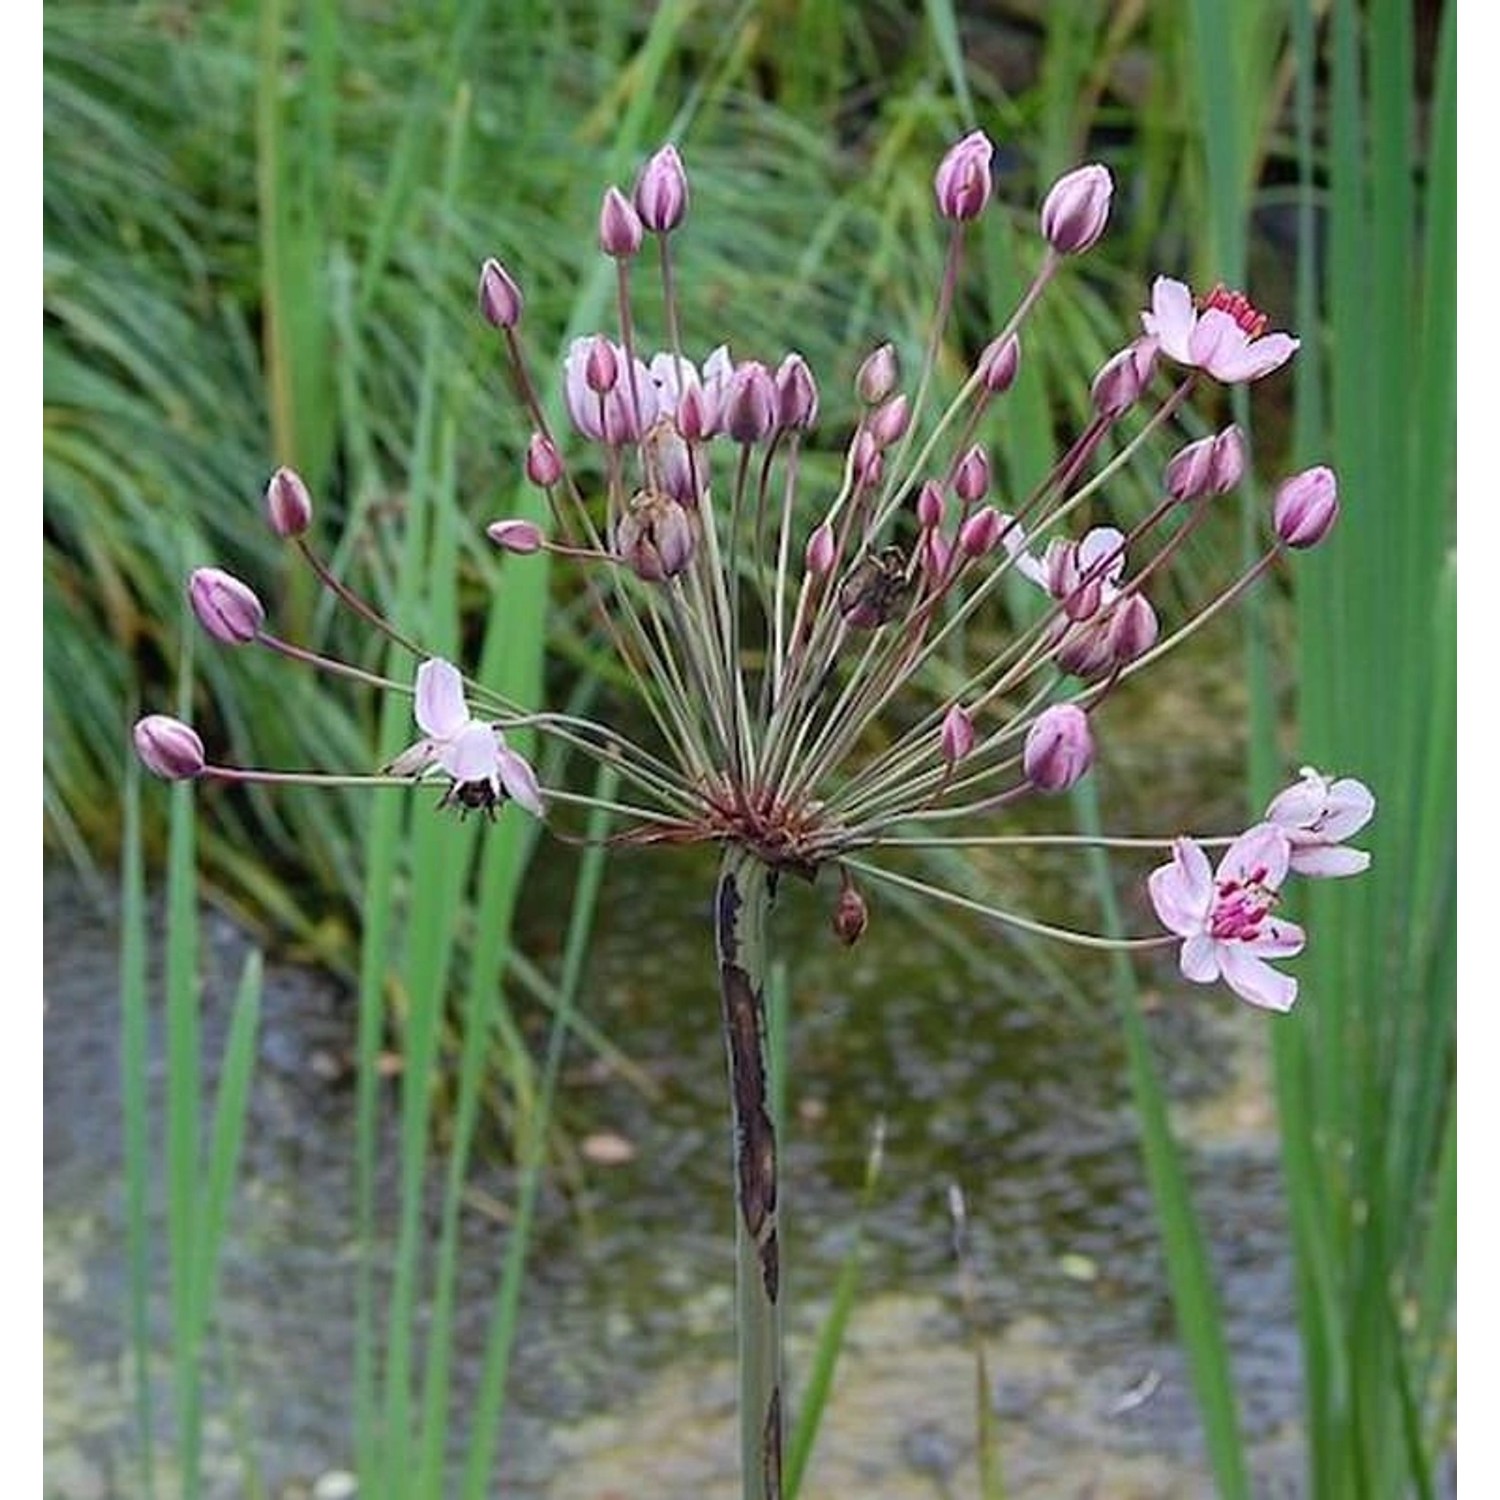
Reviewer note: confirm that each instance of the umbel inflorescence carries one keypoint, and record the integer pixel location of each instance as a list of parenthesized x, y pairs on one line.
[(793, 643)]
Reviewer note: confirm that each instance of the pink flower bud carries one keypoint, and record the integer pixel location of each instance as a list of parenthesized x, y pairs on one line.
[(226, 608), (1189, 471), (850, 915), (1132, 630), (796, 393), (971, 480), (998, 364), (1306, 507), (1075, 212), (515, 535), (655, 537), (820, 549), (936, 555), (1059, 748), (1119, 384), (601, 366), (962, 184), (750, 403), (168, 748), (696, 414), (288, 504), (877, 376), (500, 300), (957, 737), (1228, 466), (889, 421), (619, 225), (866, 461), (543, 465), (930, 504), (661, 195), (979, 534)]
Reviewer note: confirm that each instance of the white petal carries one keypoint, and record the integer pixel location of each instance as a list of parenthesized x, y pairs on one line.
[(1327, 861), (1255, 980), (1200, 959), (441, 710), (519, 781), (1261, 854), (413, 760), (1171, 318), (472, 755), (1182, 891)]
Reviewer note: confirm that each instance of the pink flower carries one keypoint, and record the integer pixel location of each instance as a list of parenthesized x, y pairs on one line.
[(963, 183), (1225, 918), (1226, 337), (1317, 814), (484, 769)]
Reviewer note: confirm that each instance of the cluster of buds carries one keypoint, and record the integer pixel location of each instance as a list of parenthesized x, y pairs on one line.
[(794, 647)]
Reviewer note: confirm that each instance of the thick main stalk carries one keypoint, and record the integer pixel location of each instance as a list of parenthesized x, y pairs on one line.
[(741, 906)]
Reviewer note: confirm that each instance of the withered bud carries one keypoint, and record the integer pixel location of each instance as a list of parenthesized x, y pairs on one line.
[(850, 915), (654, 537)]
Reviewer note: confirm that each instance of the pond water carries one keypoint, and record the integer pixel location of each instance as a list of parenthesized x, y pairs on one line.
[(994, 1071)]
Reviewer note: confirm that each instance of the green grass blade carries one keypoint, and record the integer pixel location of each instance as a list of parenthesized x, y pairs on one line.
[(135, 1073)]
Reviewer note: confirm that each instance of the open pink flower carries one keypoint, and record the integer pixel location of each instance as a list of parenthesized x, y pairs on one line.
[(1224, 918), (484, 769), (1225, 337), (1317, 814)]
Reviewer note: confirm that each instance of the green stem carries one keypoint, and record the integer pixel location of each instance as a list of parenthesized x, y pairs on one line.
[(742, 903)]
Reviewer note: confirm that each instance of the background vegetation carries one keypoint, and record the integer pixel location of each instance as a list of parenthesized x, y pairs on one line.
[(262, 227)]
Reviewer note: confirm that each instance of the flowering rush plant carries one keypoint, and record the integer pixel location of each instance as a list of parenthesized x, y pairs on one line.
[(792, 644)]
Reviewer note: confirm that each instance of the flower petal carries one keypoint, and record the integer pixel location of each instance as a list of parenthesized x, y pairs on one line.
[(1351, 804), (472, 755), (413, 760), (1182, 892), (1277, 939), (1253, 979), (1256, 358), (1217, 343), (1201, 959), (519, 781), (1327, 861), (440, 708), (1171, 318), (1260, 854)]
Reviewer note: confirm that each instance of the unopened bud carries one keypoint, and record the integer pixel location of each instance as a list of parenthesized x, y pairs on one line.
[(1076, 210), (696, 414), (1132, 630), (750, 403), (957, 737), (515, 535), (226, 608), (998, 364), (877, 375), (1228, 465), (288, 504), (820, 550), (661, 195), (1059, 748), (971, 480), (500, 299), (620, 229), (1122, 379), (168, 748), (866, 460), (979, 534), (655, 537), (601, 366), (962, 184), (850, 915), (543, 464), (930, 505), (1306, 507), (936, 553), (889, 421), (796, 393), (1189, 471)]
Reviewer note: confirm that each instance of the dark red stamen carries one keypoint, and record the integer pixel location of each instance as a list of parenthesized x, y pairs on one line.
[(1239, 307)]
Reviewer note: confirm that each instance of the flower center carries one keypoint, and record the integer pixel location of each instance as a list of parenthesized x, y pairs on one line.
[(1239, 307), (1241, 908)]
